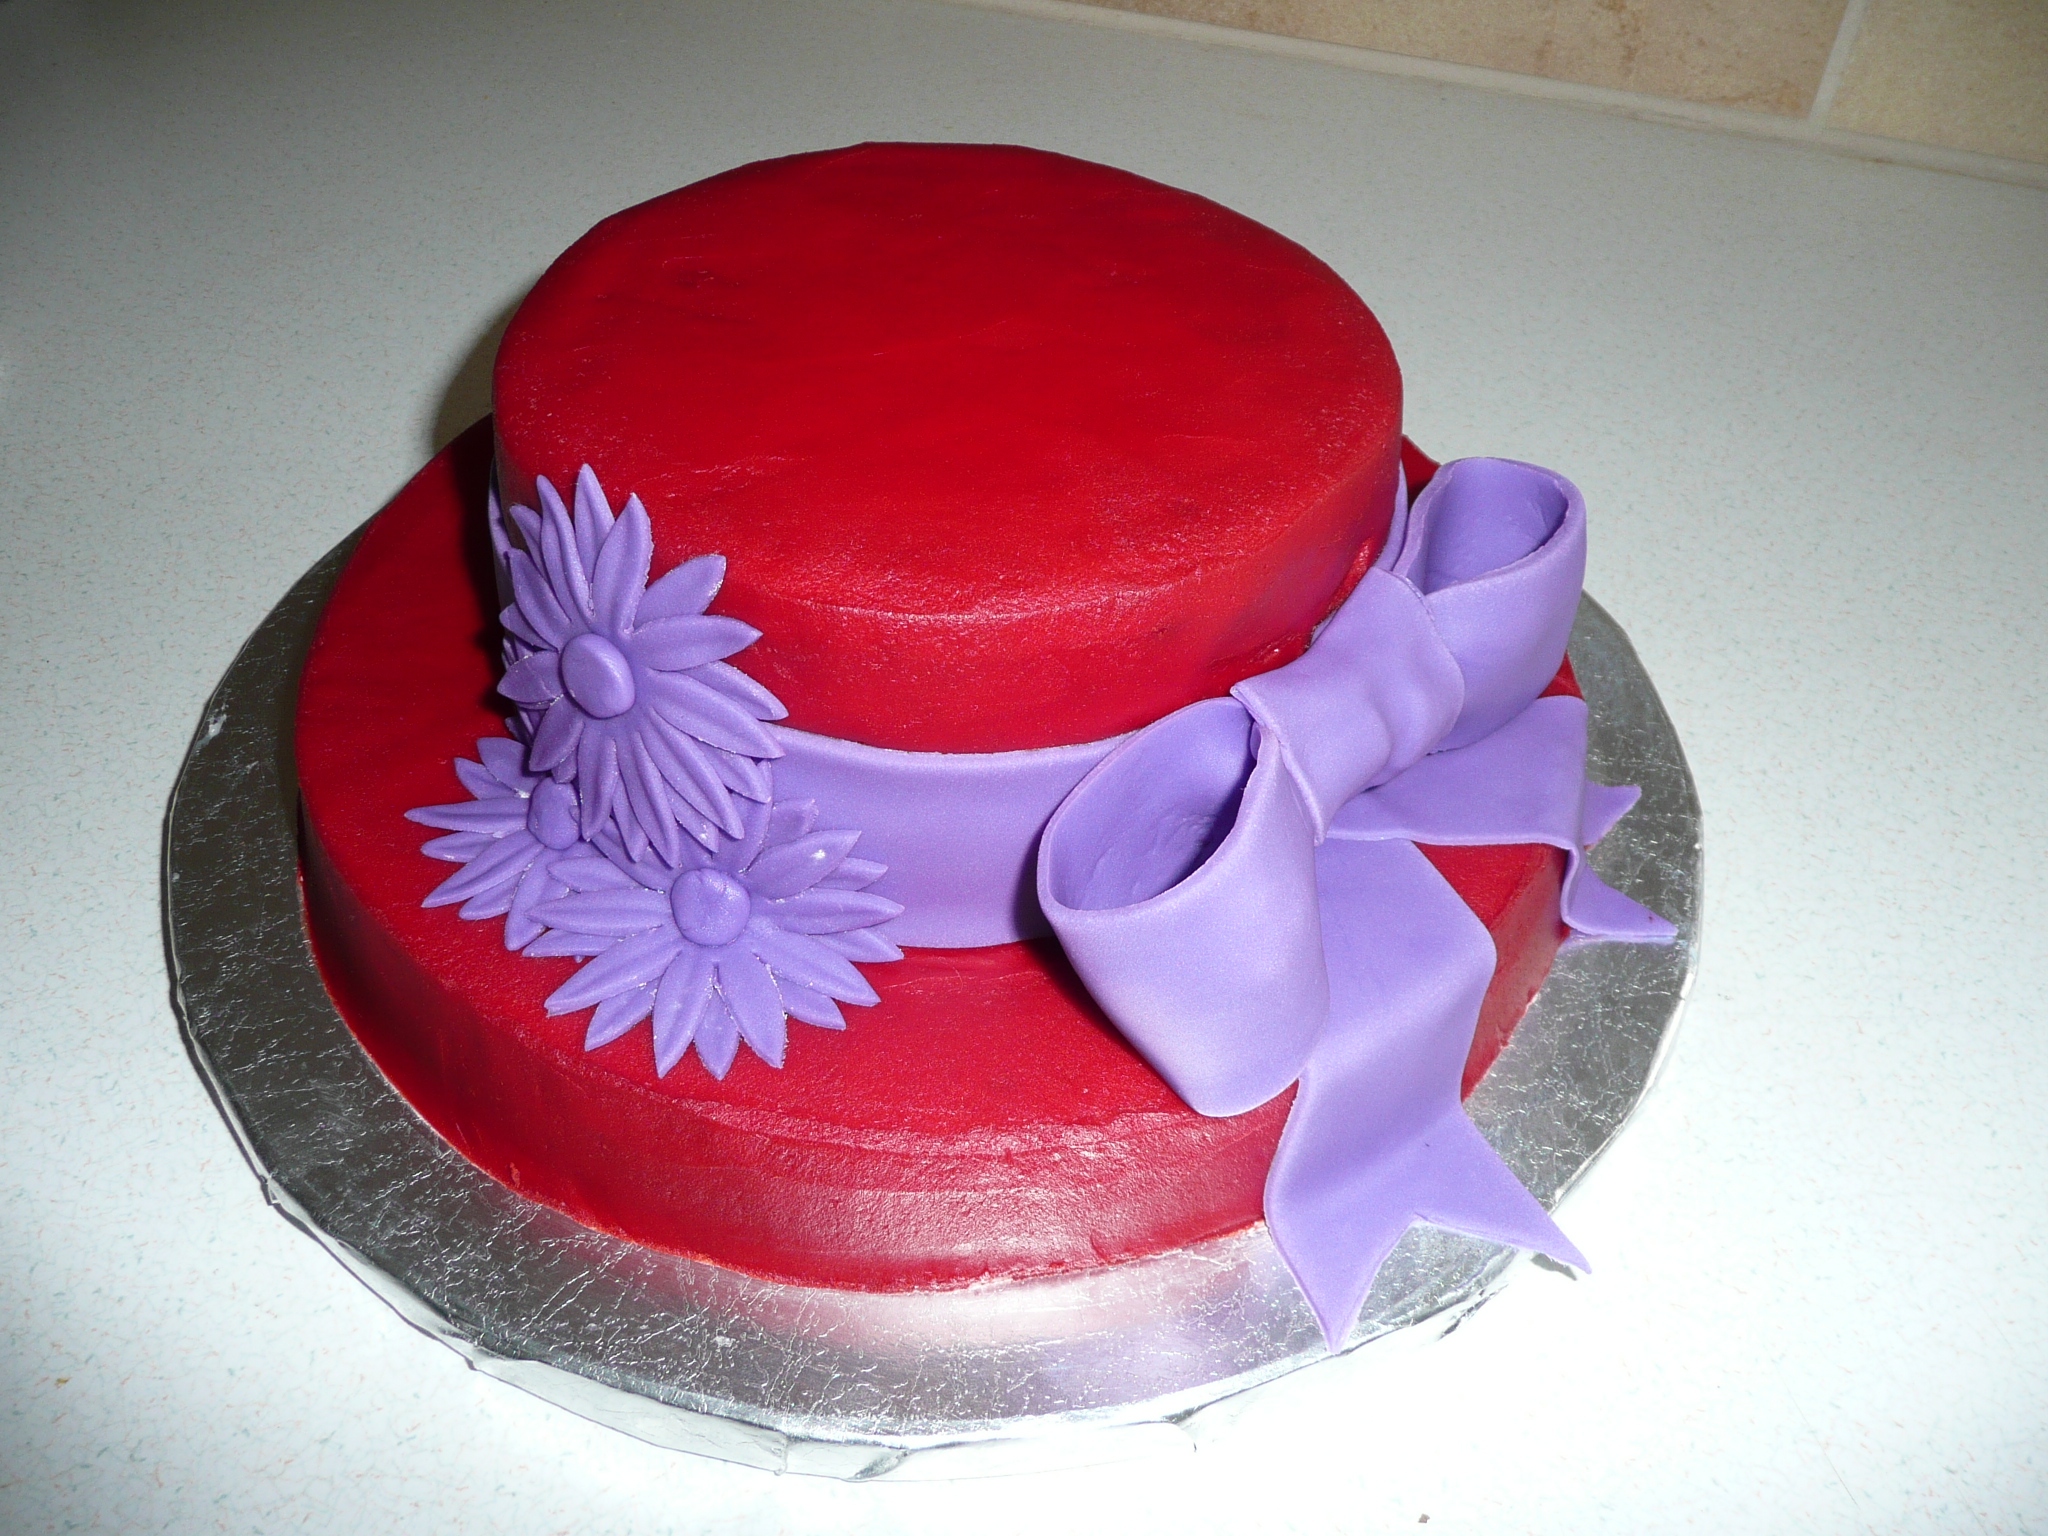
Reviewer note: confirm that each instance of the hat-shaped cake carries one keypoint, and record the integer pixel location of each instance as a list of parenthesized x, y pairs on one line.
[(965, 754)]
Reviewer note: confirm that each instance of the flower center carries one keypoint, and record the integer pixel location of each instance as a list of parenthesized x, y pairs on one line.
[(597, 675), (551, 815), (711, 907)]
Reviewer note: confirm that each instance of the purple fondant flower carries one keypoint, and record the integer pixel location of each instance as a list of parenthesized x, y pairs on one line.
[(720, 946), (625, 686), (509, 839)]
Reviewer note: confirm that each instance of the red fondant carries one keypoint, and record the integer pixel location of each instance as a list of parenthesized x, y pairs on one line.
[(1004, 449), (1419, 466), (982, 1120)]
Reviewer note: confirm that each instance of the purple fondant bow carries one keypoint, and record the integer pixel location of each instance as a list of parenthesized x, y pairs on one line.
[(1238, 884)]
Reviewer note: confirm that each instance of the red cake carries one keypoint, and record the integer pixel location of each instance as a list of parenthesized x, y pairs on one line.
[(1003, 451)]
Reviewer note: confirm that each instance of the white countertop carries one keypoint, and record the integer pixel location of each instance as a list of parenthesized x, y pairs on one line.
[(251, 259)]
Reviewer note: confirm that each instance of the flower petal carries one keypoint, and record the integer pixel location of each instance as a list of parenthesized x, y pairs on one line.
[(620, 572), (441, 896), (491, 903), (478, 781), (537, 602), (537, 885), (501, 863), (597, 778), (526, 522), (492, 818), (808, 963), (681, 1002), (591, 871), (593, 516), (863, 944), (518, 629), (557, 737), (812, 1007), (790, 819), (700, 827), (632, 836), (685, 591), (739, 853), (505, 760), (457, 847), (676, 645), (795, 866), (825, 910), (627, 964), (616, 1015), (609, 914), (535, 682), (560, 560), (681, 761), (750, 994), (743, 775), (647, 799), (740, 688), (718, 1039), (645, 869), (708, 715), (854, 875), (556, 943)]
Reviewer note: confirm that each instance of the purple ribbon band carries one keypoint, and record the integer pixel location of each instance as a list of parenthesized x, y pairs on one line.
[(958, 831)]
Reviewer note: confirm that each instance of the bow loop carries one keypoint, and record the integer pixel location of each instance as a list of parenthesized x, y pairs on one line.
[(1180, 877), (1498, 551)]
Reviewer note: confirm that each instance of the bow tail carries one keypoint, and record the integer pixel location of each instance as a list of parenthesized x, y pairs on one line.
[(1377, 1139), (1589, 905), (1526, 783)]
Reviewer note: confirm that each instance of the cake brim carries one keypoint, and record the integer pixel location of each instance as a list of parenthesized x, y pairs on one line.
[(982, 1120)]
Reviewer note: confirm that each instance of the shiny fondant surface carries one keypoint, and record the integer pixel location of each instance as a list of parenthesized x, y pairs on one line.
[(982, 1120), (1005, 449)]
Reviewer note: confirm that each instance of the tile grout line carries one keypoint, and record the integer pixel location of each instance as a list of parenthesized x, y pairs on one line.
[(1671, 111), (1838, 62)]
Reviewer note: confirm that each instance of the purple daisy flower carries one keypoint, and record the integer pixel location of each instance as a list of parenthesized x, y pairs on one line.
[(509, 839), (625, 684), (721, 946)]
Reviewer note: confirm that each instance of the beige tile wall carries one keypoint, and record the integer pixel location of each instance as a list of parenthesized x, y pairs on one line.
[(1961, 74), (1763, 54), (1966, 74)]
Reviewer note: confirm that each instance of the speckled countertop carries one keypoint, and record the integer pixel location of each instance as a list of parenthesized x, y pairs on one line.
[(251, 267)]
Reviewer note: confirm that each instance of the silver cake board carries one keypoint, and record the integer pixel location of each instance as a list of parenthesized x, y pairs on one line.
[(1004, 1377)]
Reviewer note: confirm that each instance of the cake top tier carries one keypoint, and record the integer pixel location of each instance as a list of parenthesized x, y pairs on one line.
[(1003, 449)]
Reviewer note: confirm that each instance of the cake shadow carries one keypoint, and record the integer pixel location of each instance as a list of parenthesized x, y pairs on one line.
[(466, 392)]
